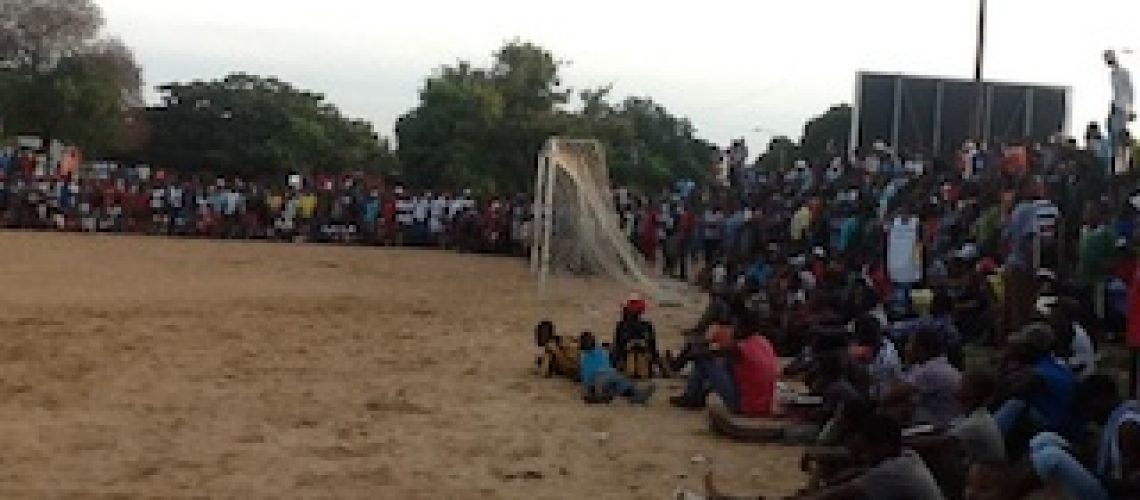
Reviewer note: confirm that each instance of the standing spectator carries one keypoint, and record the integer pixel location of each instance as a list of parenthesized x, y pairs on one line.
[(1020, 273)]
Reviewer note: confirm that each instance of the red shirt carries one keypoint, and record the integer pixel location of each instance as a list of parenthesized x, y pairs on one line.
[(389, 209), (756, 371)]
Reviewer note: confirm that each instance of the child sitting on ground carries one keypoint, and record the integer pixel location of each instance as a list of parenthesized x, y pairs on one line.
[(635, 343), (601, 383), (557, 356)]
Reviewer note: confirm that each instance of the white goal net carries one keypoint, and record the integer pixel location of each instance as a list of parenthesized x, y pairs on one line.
[(576, 228)]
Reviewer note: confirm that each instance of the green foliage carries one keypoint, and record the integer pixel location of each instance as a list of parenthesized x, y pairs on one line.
[(483, 128), (779, 156), (253, 126), (58, 80), (827, 135)]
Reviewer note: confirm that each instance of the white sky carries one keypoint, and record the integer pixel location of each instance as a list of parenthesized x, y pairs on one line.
[(729, 66)]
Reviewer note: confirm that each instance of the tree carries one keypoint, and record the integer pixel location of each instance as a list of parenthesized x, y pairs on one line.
[(779, 156), (59, 79), (483, 128), (827, 135), (253, 126)]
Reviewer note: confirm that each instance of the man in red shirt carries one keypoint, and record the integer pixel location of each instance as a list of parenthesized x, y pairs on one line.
[(755, 368), (388, 215), (749, 389)]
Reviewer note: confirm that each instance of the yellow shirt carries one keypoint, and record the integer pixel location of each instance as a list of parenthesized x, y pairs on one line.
[(801, 220), (307, 205)]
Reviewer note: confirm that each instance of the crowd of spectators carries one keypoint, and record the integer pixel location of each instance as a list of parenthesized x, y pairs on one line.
[(347, 209), (945, 322)]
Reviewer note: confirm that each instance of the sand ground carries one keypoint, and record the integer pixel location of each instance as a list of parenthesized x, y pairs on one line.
[(164, 368)]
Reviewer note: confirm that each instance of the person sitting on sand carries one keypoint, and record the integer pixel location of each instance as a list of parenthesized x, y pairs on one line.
[(973, 449), (557, 355), (891, 471), (743, 371), (635, 343), (873, 348), (927, 392), (1115, 472), (601, 383), (1038, 390)]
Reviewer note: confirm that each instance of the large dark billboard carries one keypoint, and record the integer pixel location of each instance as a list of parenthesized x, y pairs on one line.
[(935, 116)]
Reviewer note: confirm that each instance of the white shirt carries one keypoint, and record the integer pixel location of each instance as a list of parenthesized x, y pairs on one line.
[(157, 197), (404, 211), (233, 201), (903, 262), (421, 209), (439, 208), (174, 194)]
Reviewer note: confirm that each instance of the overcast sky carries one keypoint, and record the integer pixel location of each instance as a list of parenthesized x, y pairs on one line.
[(729, 66)]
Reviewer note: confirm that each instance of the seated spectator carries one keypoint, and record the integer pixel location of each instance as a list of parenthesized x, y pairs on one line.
[(557, 356), (1115, 470), (884, 366), (971, 453), (1073, 346), (892, 472), (755, 367), (741, 369), (1039, 391), (600, 382), (635, 343), (941, 321), (831, 380), (927, 394)]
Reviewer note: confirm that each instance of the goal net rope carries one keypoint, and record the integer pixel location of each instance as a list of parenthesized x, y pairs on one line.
[(576, 227)]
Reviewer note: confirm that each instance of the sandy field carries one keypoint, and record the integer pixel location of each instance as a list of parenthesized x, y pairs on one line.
[(134, 367)]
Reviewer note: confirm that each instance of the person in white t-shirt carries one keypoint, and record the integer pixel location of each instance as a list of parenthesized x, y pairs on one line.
[(437, 218), (904, 255)]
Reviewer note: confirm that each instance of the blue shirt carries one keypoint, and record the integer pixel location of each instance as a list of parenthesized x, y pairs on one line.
[(1055, 401), (845, 236), (759, 273), (592, 363)]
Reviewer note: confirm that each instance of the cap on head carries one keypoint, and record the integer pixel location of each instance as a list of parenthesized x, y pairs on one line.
[(636, 304)]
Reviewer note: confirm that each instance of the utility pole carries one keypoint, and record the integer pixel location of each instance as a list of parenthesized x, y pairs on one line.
[(979, 82)]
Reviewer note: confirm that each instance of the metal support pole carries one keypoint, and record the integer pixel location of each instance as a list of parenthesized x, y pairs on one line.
[(936, 141), (895, 121), (548, 213), (538, 219), (979, 81), (1027, 131)]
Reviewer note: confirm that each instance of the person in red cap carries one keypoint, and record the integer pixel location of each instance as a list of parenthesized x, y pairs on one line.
[(633, 336)]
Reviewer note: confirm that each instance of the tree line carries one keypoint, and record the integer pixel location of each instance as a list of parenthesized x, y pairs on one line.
[(474, 126)]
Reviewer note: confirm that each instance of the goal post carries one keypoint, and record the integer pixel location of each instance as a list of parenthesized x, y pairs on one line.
[(576, 224)]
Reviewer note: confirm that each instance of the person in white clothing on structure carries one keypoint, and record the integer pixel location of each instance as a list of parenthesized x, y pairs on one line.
[(1121, 112)]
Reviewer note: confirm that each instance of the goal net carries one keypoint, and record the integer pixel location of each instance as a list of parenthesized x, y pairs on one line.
[(576, 228)]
